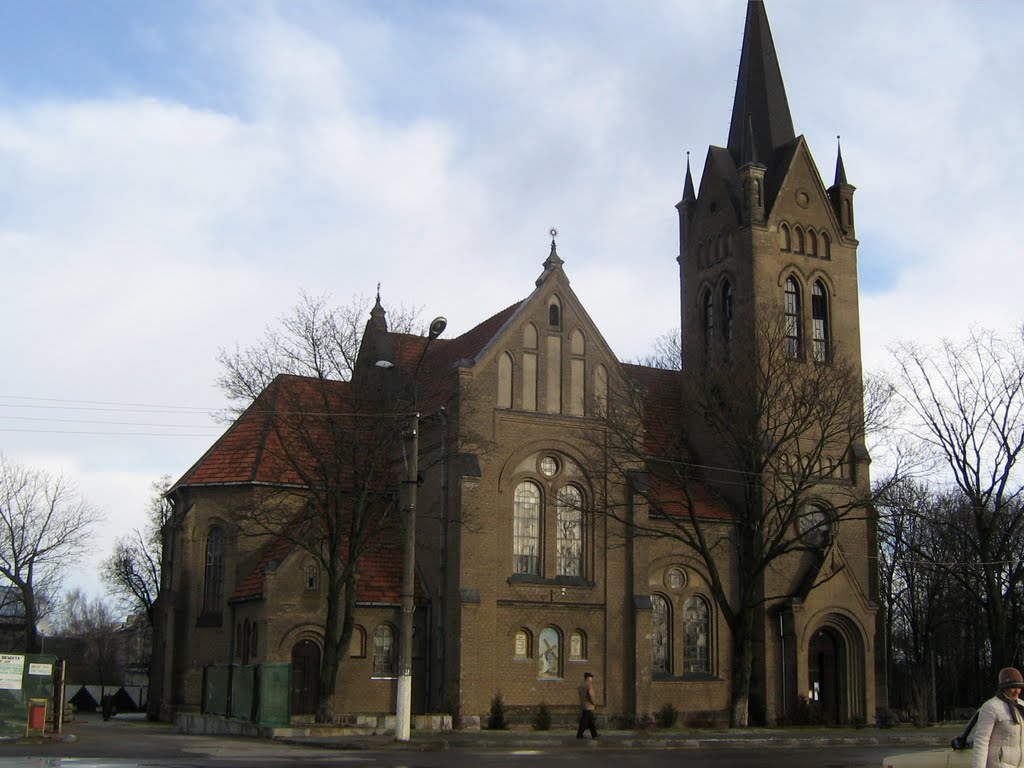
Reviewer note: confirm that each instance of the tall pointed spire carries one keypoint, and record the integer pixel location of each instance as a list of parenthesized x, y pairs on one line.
[(760, 93)]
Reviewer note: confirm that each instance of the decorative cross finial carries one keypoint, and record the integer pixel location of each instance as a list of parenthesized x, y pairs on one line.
[(378, 293)]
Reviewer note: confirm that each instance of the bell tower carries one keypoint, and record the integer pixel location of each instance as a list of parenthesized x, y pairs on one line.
[(762, 233)]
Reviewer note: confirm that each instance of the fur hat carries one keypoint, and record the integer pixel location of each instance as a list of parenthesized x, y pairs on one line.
[(1010, 677)]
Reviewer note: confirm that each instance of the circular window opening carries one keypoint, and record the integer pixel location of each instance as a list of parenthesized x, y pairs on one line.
[(549, 466), (675, 578)]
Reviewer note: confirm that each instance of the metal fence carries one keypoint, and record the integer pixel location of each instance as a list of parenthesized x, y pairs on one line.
[(256, 693)]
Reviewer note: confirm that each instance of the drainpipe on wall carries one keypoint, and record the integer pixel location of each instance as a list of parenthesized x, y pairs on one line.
[(782, 655)]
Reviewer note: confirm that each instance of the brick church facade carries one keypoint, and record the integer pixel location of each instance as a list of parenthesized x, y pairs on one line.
[(530, 570)]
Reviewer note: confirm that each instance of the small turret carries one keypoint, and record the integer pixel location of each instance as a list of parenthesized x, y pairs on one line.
[(686, 207), (841, 195), (752, 173)]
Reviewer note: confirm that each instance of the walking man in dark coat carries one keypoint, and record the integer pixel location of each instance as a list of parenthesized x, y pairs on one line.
[(587, 706)]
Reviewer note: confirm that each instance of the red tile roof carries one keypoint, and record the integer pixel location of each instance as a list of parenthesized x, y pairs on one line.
[(379, 570), (288, 425), (664, 433)]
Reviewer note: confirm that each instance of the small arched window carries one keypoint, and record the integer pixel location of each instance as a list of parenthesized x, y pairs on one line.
[(812, 243), (213, 582), (661, 635), (312, 578), (826, 246), (526, 529), (696, 636), (799, 239), (819, 323), (554, 313), (384, 651), (794, 332)]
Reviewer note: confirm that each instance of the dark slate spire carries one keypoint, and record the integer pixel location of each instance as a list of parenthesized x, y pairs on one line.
[(748, 154), (760, 92), (840, 168), (378, 317), (689, 195)]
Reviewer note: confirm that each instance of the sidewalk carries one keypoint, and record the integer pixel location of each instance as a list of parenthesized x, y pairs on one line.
[(655, 739)]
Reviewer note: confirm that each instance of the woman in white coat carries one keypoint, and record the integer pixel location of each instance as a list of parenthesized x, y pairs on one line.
[(999, 735)]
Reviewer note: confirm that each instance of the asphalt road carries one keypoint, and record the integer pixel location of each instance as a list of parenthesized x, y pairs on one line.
[(97, 744)]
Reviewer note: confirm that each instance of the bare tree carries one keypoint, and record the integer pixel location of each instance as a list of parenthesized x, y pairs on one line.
[(45, 527), (315, 339), (762, 435), (132, 571), (93, 622), (667, 352), (333, 444), (966, 401)]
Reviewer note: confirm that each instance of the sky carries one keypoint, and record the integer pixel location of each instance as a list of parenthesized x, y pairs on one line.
[(174, 175)]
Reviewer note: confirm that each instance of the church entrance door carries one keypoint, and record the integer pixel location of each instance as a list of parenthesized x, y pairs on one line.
[(824, 675), (305, 677)]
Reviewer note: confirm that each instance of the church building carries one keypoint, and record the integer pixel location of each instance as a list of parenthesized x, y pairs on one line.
[(554, 533)]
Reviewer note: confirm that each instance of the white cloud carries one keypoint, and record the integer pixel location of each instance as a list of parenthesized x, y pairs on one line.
[(331, 146)]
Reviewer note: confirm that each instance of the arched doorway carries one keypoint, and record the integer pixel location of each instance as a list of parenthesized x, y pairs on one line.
[(823, 675), (305, 677)]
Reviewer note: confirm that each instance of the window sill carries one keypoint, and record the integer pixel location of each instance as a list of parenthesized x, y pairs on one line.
[(558, 581)]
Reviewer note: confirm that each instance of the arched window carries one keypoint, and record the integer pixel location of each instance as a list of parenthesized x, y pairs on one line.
[(384, 651), (785, 243), (709, 326), (526, 529), (554, 313), (727, 318), (312, 578), (213, 583), (569, 536), (550, 655), (794, 334), (819, 323), (826, 246), (696, 636), (799, 239), (812, 243), (661, 636)]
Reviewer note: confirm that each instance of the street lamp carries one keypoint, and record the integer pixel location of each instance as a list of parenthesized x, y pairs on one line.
[(403, 705)]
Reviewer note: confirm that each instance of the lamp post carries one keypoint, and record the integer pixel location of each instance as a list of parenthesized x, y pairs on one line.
[(403, 704)]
